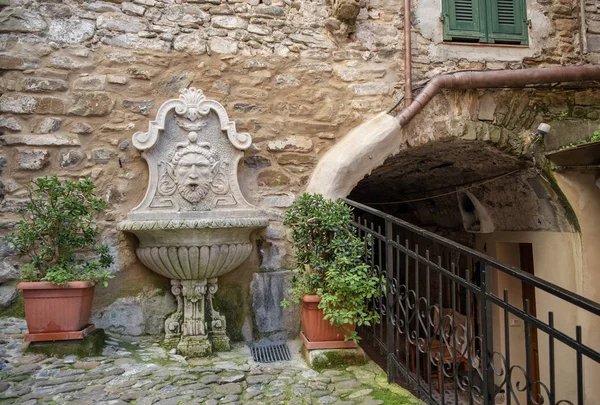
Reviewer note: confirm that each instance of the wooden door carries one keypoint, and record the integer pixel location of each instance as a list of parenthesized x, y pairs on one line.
[(526, 254)]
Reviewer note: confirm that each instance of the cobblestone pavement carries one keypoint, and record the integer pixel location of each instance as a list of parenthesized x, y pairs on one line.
[(138, 370)]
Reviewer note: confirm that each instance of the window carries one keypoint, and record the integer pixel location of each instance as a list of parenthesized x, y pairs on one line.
[(485, 21)]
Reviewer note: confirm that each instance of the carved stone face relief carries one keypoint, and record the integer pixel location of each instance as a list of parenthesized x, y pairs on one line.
[(194, 171)]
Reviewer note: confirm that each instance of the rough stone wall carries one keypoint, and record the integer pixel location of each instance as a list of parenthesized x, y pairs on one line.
[(592, 22), (77, 79)]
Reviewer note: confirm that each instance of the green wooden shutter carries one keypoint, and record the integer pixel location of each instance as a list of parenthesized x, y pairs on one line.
[(464, 20), (507, 21)]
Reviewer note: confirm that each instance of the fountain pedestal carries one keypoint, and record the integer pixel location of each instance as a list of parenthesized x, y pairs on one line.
[(194, 224)]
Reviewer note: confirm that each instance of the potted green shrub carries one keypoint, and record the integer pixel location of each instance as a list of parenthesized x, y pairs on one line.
[(58, 235), (332, 281)]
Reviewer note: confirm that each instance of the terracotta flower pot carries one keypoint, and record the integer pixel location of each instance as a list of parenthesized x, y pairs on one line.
[(318, 331), (56, 309)]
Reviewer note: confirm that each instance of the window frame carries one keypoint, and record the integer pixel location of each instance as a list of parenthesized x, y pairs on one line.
[(485, 29)]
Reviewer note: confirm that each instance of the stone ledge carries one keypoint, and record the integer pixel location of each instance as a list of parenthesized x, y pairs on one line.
[(40, 140)]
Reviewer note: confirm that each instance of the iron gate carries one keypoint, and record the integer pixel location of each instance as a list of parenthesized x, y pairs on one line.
[(456, 337)]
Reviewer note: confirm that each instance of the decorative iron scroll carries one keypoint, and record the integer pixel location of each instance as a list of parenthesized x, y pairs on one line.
[(450, 338)]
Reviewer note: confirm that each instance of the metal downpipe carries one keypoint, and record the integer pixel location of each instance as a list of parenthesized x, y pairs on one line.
[(496, 78), (408, 95)]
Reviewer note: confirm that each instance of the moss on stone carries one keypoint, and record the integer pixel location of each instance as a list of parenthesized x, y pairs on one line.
[(230, 301), (390, 397), (334, 358), (89, 346)]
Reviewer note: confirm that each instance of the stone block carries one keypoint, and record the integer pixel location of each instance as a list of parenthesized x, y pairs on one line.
[(101, 7), (268, 290), (296, 159), (192, 43), (9, 123), (487, 108), (95, 82), (332, 358), (68, 63), (41, 84), (256, 162), (81, 128), (70, 158), (8, 295), (141, 107), (19, 19), (351, 74), (186, 14), (279, 200), (32, 159), (114, 79), (11, 62), (50, 105), (370, 89), (291, 144), (132, 9), (47, 125), (272, 178), (91, 103), (258, 29), (229, 22), (18, 104), (72, 31), (40, 140), (8, 272), (222, 45), (120, 22)]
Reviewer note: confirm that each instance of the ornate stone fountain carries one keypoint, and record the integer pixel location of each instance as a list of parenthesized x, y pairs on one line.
[(194, 224)]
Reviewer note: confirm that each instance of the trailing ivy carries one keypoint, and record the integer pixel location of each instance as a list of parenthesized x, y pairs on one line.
[(59, 235), (331, 262)]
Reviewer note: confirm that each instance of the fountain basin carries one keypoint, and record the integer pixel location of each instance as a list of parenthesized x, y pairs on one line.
[(193, 249)]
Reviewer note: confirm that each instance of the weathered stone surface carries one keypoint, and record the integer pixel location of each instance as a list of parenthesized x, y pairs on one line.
[(102, 7), (296, 159), (41, 84), (186, 14), (487, 108), (115, 79), (229, 22), (21, 20), (47, 125), (291, 143), (11, 62), (71, 158), (10, 123), (103, 156), (259, 29), (142, 107), (119, 22), (81, 128), (68, 63), (40, 140), (272, 178), (268, 290), (95, 82), (132, 9), (193, 43), (354, 74), (91, 103), (72, 31), (223, 45), (8, 294), (316, 40), (8, 271), (256, 162), (139, 315), (17, 104), (32, 159), (133, 41), (370, 89)]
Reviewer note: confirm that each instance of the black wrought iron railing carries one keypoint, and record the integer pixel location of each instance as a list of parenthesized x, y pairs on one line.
[(460, 327)]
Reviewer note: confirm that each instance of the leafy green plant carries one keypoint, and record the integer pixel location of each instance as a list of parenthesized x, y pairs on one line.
[(59, 235), (596, 136), (331, 263)]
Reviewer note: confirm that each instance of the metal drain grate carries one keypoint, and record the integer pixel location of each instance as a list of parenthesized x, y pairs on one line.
[(269, 353)]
